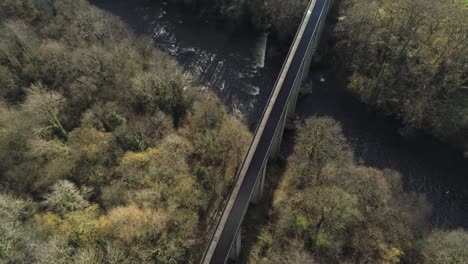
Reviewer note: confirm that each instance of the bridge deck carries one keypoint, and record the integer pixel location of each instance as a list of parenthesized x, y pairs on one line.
[(257, 155)]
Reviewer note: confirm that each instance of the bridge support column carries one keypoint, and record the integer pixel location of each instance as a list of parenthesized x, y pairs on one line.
[(234, 254), (291, 107), (313, 48), (258, 191), (308, 61), (276, 144), (304, 73)]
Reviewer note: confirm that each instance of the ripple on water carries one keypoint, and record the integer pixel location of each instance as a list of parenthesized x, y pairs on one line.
[(252, 90), (159, 31)]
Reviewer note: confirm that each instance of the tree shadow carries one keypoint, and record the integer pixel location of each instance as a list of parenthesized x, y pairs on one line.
[(221, 59), (426, 165)]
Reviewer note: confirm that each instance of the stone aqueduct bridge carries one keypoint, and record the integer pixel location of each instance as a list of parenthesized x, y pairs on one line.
[(225, 242)]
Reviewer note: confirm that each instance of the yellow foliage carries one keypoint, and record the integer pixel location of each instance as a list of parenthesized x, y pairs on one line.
[(146, 169), (359, 84), (79, 226), (90, 141), (89, 150), (235, 139), (131, 223), (392, 255), (134, 167), (48, 222), (133, 160)]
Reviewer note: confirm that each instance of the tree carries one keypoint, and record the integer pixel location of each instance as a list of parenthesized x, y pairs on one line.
[(329, 211), (150, 92), (446, 247), (8, 84), (321, 141), (46, 106), (349, 213), (407, 59), (64, 198), (17, 53), (131, 223), (320, 145), (86, 103), (27, 9), (234, 139), (13, 235), (54, 251), (78, 228), (285, 17), (14, 134), (91, 153)]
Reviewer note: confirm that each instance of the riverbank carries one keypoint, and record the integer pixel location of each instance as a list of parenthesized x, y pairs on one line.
[(403, 65), (110, 152), (426, 165), (224, 60)]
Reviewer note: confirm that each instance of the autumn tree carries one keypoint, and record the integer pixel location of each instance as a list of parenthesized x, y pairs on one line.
[(446, 247), (46, 106), (13, 234), (349, 213), (408, 58), (65, 197)]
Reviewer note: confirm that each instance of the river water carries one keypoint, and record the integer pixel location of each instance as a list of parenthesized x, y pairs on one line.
[(228, 63)]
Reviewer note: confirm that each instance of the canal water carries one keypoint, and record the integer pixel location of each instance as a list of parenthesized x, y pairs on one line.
[(231, 64)]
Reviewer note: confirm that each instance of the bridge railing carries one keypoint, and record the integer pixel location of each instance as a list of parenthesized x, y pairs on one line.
[(216, 232)]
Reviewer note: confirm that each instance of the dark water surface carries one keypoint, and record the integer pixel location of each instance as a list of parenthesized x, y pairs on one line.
[(426, 166), (226, 62)]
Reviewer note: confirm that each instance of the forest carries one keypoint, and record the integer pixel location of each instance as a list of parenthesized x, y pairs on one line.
[(406, 58), (109, 151), (409, 60), (327, 209)]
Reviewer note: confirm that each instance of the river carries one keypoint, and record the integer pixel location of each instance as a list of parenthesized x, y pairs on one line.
[(229, 63)]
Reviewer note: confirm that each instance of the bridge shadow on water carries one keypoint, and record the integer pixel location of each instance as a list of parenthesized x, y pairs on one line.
[(426, 166), (223, 61)]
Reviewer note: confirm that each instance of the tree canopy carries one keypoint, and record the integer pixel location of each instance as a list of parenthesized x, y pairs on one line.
[(409, 59), (109, 151), (328, 209)]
